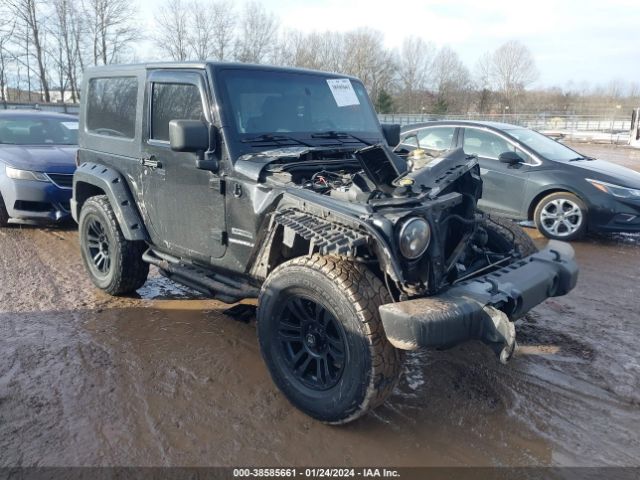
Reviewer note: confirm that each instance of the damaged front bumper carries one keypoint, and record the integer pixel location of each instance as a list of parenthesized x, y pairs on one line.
[(485, 307)]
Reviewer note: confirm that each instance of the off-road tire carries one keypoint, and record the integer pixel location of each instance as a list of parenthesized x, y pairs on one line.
[(352, 294), (4, 215), (500, 229), (569, 197), (127, 271)]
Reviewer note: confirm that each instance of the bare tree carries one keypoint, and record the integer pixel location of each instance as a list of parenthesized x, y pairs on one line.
[(482, 80), (257, 30), (171, 34), (414, 61), (111, 25), (223, 16), (513, 69), (28, 12), (66, 23), (365, 57), (6, 31), (451, 81)]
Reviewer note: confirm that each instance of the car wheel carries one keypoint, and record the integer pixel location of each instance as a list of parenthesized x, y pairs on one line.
[(504, 234), (322, 339), (4, 215), (114, 263), (561, 216)]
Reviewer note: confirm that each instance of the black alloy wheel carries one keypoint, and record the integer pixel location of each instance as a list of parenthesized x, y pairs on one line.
[(312, 342)]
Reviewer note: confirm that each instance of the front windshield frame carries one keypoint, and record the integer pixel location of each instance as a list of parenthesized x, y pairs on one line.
[(242, 137), (567, 153), (50, 130)]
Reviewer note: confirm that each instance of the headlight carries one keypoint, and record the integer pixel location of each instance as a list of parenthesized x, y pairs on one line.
[(615, 190), (415, 236), (26, 175)]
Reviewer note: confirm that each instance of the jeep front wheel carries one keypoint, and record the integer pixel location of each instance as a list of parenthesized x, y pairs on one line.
[(322, 339), (114, 263)]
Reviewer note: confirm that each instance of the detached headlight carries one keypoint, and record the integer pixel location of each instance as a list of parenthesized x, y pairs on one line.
[(26, 175), (615, 190), (415, 236)]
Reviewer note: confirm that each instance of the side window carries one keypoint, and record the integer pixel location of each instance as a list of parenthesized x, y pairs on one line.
[(485, 144), (436, 138), (410, 140), (173, 101), (111, 106)]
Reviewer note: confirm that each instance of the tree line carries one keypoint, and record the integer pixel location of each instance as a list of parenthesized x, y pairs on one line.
[(45, 46)]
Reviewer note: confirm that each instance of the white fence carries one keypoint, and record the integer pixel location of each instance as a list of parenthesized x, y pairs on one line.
[(596, 128)]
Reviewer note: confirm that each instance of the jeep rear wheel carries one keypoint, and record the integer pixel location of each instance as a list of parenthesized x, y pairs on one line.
[(114, 263), (322, 339)]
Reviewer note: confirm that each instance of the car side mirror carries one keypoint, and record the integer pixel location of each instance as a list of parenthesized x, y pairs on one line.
[(391, 133), (193, 136), (188, 136), (512, 158)]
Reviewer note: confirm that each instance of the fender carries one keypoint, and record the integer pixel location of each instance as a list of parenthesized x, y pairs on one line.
[(93, 179)]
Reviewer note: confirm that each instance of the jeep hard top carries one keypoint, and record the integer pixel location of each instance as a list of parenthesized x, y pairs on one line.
[(247, 181)]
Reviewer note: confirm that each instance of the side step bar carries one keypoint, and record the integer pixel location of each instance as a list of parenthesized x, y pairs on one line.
[(212, 284)]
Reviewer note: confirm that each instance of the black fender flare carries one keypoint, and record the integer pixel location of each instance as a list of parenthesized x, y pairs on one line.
[(91, 179)]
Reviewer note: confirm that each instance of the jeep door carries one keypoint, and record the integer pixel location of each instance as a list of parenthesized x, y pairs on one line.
[(184, 206)]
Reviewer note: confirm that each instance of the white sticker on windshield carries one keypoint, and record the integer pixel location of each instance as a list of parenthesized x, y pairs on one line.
[(71, 125), (343, 92)]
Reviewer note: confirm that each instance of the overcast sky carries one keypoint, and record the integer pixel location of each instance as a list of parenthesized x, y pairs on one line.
[(571, 40)]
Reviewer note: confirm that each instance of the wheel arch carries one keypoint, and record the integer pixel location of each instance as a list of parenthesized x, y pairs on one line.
[(91, 179)]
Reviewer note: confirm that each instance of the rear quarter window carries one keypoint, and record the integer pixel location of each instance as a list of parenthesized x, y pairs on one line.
[(111, 106)]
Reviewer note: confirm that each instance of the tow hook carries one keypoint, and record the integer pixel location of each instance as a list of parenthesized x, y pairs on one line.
[(506, 345)]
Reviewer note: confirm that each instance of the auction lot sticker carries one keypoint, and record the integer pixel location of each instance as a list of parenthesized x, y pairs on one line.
[(343, 92)]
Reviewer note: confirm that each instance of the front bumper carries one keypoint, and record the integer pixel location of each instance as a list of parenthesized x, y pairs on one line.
[(482, 308), (35, 202)]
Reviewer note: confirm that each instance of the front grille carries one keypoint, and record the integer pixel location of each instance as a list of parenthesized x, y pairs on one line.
[(62, 180)]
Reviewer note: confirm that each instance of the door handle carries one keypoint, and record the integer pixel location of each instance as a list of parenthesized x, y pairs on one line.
[(150, 162)]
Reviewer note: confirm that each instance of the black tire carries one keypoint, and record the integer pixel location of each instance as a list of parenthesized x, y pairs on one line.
[(572, 216), (348, 296), (120, 270), (4, 215), (503, 233)]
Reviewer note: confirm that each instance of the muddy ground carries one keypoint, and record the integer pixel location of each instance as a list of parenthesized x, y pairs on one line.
[(165, 379)]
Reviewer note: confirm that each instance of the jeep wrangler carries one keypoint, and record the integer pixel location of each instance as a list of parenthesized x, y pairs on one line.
[(245, 181)]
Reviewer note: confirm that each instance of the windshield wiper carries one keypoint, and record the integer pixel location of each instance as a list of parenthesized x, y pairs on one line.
[(338, 136), (277, 139), (580, 158)]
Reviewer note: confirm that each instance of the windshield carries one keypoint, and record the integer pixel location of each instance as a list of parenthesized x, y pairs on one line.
[(543, 145), (38, 130), (272, 102)]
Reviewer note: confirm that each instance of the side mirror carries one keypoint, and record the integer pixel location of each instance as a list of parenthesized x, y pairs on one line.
[(512, 158), (391, 133), (188, 136)]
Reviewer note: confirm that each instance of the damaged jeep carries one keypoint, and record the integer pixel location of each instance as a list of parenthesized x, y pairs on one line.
[(276, 184)]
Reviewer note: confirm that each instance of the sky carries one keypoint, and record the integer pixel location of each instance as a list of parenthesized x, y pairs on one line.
[(571, 40)]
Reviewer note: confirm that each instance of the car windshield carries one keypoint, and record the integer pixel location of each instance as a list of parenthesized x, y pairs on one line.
[(273, 102), (543, 145), (38, 130)]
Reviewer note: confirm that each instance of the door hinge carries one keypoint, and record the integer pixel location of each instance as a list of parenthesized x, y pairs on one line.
[(217, 183), (219, 236)]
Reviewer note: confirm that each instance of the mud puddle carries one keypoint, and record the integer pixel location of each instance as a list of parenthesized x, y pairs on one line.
[(166, 380)]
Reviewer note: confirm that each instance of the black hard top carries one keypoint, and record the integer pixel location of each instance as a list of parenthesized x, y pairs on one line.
[(115, 69)]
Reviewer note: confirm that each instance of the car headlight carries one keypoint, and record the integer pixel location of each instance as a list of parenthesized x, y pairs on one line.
[(414, 238), (17, 174), (615, 190)]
